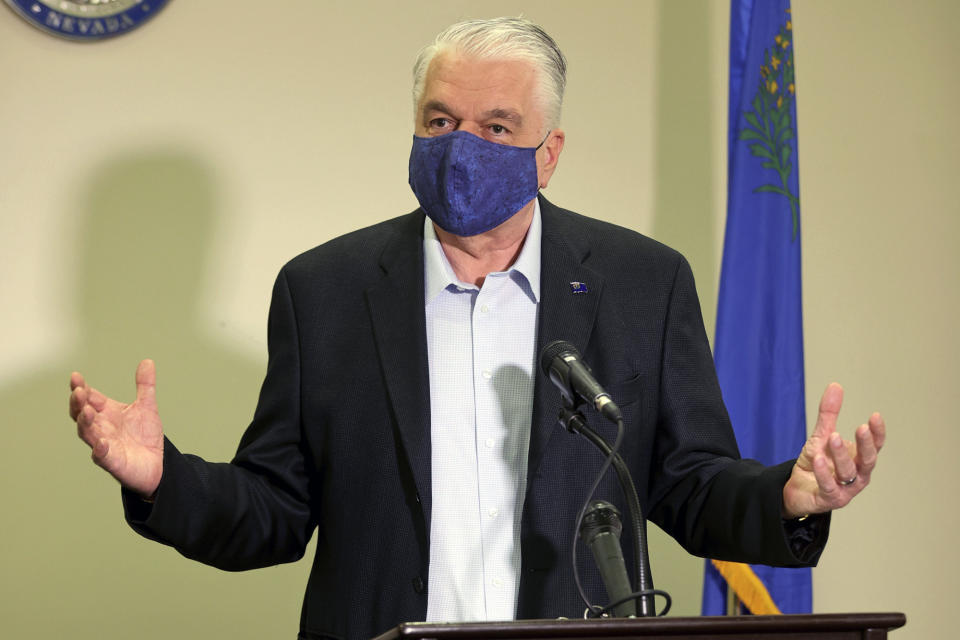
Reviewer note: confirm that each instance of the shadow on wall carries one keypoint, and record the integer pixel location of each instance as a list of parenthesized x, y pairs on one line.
[(684, 218), (684, 200), (72, 566)]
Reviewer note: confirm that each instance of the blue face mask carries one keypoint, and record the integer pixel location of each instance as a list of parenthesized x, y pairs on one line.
[(468, 185)]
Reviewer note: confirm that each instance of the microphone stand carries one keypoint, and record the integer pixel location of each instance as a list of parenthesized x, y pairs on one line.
[(574, 422)]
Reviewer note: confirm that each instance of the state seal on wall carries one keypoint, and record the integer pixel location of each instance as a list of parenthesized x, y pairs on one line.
[(87, 19)]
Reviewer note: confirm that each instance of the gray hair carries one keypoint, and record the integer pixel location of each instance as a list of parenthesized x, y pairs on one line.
[(510, 38)]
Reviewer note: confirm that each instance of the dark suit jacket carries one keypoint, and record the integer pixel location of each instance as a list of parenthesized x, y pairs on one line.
[(340, 441)]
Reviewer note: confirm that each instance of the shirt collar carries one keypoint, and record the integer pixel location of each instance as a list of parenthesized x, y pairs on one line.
[(438, 274)]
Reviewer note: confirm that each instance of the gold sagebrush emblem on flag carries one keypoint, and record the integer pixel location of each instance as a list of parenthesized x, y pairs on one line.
[(770, 125)]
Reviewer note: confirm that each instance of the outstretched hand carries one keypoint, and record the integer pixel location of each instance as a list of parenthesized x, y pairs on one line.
[(126, 439), (830, 470)]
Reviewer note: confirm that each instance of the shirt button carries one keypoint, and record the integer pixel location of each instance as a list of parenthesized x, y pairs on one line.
[(490, 442), (484, 308), (497, 582), (493, 512), (486, 374)]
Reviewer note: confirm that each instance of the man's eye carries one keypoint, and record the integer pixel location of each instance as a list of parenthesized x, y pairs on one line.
[(439, 123), (498, 129)]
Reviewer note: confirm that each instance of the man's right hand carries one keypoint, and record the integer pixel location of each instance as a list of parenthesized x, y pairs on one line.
[(127, 439)]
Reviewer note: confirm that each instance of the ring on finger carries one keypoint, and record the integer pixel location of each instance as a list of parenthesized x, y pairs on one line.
[(847, 483)]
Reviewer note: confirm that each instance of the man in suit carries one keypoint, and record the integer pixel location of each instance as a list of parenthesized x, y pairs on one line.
[(402, 415)]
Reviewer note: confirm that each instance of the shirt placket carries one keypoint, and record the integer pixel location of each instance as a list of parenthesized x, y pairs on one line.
[(496, 528)]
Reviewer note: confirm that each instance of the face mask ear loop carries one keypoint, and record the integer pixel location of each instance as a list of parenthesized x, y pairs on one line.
[(549, 131)]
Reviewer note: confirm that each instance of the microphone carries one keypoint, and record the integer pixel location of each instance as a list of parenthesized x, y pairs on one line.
[(563, 364), (600, 530)]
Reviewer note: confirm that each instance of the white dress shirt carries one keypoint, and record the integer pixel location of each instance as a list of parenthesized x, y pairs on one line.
[(481, 346)]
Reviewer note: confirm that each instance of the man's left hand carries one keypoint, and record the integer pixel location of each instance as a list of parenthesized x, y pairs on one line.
[(830, 470)]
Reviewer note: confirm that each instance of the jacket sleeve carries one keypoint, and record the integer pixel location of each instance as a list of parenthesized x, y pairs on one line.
[(711, 501), (254, 511)]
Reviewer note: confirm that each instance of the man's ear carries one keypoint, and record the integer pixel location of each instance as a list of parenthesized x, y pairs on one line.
[(548, 156)]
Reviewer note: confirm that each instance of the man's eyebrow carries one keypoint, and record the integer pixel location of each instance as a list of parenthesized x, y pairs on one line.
[(510, 115), (505, 114), (435, 105)]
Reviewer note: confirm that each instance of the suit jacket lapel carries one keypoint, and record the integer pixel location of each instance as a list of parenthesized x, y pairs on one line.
[(397, 314), (564, 315)]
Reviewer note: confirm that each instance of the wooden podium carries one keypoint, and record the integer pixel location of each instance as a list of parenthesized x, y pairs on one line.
[(833, 626)]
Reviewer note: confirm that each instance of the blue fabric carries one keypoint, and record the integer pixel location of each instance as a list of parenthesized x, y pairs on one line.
[(468, 185), (759, 341)]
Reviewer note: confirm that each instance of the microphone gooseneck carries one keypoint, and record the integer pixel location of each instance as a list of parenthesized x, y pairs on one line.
[(598, 524)]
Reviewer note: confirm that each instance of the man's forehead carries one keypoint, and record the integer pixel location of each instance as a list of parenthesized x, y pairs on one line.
[(500, 87)]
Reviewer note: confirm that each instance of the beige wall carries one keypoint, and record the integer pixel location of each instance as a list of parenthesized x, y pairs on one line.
[(151, 186)]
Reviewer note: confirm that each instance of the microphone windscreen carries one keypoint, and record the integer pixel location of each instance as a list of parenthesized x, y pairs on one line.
[(553, 350)]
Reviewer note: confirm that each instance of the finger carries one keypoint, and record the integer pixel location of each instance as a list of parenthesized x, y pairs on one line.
[(147, 383), (85, 428), (826, 480), (866, 451), (93, 427), (76, 380), (830, 404), (102, 454), (104, 428), (78, 398), (845, 469), (96, 399), (100, 450), (879, 430)]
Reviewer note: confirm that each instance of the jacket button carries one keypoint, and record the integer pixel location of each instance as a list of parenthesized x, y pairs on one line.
[(418, 585)]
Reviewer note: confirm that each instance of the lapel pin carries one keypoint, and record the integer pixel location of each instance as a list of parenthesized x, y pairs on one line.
[(578, 287)]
